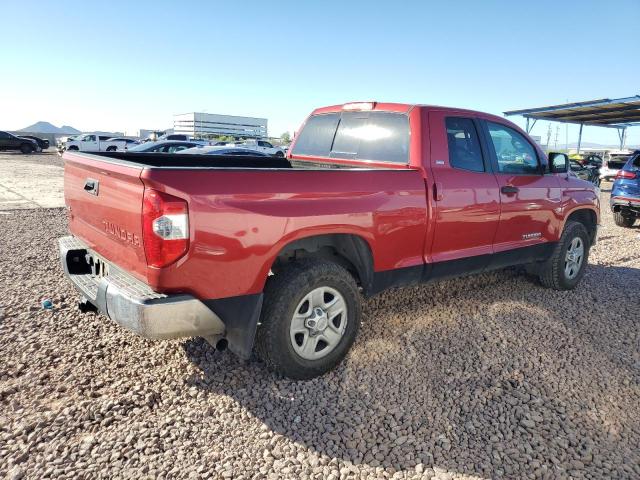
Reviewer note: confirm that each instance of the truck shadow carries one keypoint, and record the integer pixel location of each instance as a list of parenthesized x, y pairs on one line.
[(489, 375)]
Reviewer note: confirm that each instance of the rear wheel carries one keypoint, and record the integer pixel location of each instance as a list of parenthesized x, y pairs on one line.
[(73, 148), (623, 220), (566, 266), (112, 149), (26, 148), (310, 319)]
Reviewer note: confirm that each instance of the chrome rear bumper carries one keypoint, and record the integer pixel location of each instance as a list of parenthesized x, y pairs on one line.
[(132, 303)]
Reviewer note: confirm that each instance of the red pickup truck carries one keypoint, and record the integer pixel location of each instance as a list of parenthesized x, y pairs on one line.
[(274, 253)]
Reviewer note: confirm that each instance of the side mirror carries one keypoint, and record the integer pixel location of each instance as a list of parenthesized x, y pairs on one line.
[(558, 162)]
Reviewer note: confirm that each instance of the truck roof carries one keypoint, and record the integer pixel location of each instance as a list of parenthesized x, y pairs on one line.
[(372, 105)]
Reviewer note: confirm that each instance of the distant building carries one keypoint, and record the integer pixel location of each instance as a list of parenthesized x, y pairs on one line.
[(209, 124), (145, 133)]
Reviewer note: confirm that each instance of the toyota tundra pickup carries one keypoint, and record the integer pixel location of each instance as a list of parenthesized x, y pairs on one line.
[(272, 255)]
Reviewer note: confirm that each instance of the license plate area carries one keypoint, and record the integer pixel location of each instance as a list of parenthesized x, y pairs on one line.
[(97, 266)]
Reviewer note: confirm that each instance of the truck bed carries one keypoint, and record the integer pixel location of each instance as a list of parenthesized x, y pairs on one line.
[(242, 212), (174, 160)]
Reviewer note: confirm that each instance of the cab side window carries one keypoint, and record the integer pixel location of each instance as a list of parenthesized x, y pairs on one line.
[(464, 144), (514, 152)]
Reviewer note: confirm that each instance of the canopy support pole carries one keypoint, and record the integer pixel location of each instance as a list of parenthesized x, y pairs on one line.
[(580, 138), (533, 124), (622, 134)]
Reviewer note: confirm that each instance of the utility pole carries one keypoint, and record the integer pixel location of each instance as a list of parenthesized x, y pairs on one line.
[(548, 137), (555, 142), (566, 134)]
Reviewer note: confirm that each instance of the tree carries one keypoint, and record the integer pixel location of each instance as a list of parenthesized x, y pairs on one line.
[(286, 138)]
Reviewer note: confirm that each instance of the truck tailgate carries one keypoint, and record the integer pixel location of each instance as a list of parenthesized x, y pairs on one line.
[(105, 208)]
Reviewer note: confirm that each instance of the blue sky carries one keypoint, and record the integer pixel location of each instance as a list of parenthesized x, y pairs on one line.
[(129, 65)]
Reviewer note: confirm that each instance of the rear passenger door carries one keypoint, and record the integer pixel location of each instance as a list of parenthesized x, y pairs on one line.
[(466, 193), (529, 195)]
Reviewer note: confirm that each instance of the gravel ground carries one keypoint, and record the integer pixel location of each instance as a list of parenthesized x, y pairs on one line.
[(490, 376), (47, 157)]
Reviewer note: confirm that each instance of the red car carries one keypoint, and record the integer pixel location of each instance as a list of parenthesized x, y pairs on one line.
[(277, 252)]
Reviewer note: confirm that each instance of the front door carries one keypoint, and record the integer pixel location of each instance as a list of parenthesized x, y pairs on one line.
[(467, 198), (89, 143), (530, 197)]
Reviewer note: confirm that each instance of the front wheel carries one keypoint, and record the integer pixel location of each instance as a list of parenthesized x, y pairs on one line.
[(566, 266), (26, 148), (309, 320), (623, 220), (279, 154)]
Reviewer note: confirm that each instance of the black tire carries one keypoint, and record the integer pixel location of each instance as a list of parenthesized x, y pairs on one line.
[(73, 148), (283, 292), (112, 149), (623, 220), (552, 272), (26, 148), (279, 154)]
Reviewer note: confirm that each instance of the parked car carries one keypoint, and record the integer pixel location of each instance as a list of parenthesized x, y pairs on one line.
[(590, 174), (278, 252), (612, 165), (185, 138), (625, 193), (43, 143), (92, 142), (262, 146), (128, 142), (592, 160), (8, 141), (223, 150), (167, 146)]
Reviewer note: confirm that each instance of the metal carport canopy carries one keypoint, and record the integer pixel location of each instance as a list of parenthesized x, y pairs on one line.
[(618, 113)]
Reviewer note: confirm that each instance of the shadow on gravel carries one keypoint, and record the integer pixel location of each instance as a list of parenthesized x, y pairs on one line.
[(490, 375)]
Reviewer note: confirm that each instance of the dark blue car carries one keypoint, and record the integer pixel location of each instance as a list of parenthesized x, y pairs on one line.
[(625, 194)]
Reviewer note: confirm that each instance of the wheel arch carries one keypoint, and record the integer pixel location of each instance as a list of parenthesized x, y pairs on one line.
[(351, 251), (588, 217)]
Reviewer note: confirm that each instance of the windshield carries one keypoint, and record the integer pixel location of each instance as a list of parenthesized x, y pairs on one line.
[(142, 147)]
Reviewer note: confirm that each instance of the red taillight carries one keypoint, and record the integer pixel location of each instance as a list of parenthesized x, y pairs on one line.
[(165, 227), (625, 174)]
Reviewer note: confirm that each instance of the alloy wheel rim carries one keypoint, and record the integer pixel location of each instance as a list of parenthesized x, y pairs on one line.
[(318, 324), (574, 258)]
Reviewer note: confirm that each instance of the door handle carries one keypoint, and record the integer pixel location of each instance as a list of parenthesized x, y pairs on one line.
[(509, 189), (91, 186), (438, 191)]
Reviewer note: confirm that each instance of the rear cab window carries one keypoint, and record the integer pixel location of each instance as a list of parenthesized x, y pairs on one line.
[(465, 152), (375, 136)]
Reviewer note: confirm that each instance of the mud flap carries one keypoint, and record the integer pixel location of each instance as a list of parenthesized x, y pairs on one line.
[(240, 316)]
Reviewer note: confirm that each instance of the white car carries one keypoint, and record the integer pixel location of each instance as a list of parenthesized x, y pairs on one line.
[(612, 165), (129, 142), (92, 142), (262, 146)]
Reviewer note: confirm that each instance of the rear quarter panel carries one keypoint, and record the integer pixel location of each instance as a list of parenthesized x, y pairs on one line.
[(240, 221)]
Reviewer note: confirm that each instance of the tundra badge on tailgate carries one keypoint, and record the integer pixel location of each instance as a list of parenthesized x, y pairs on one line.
[(121, 232)]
